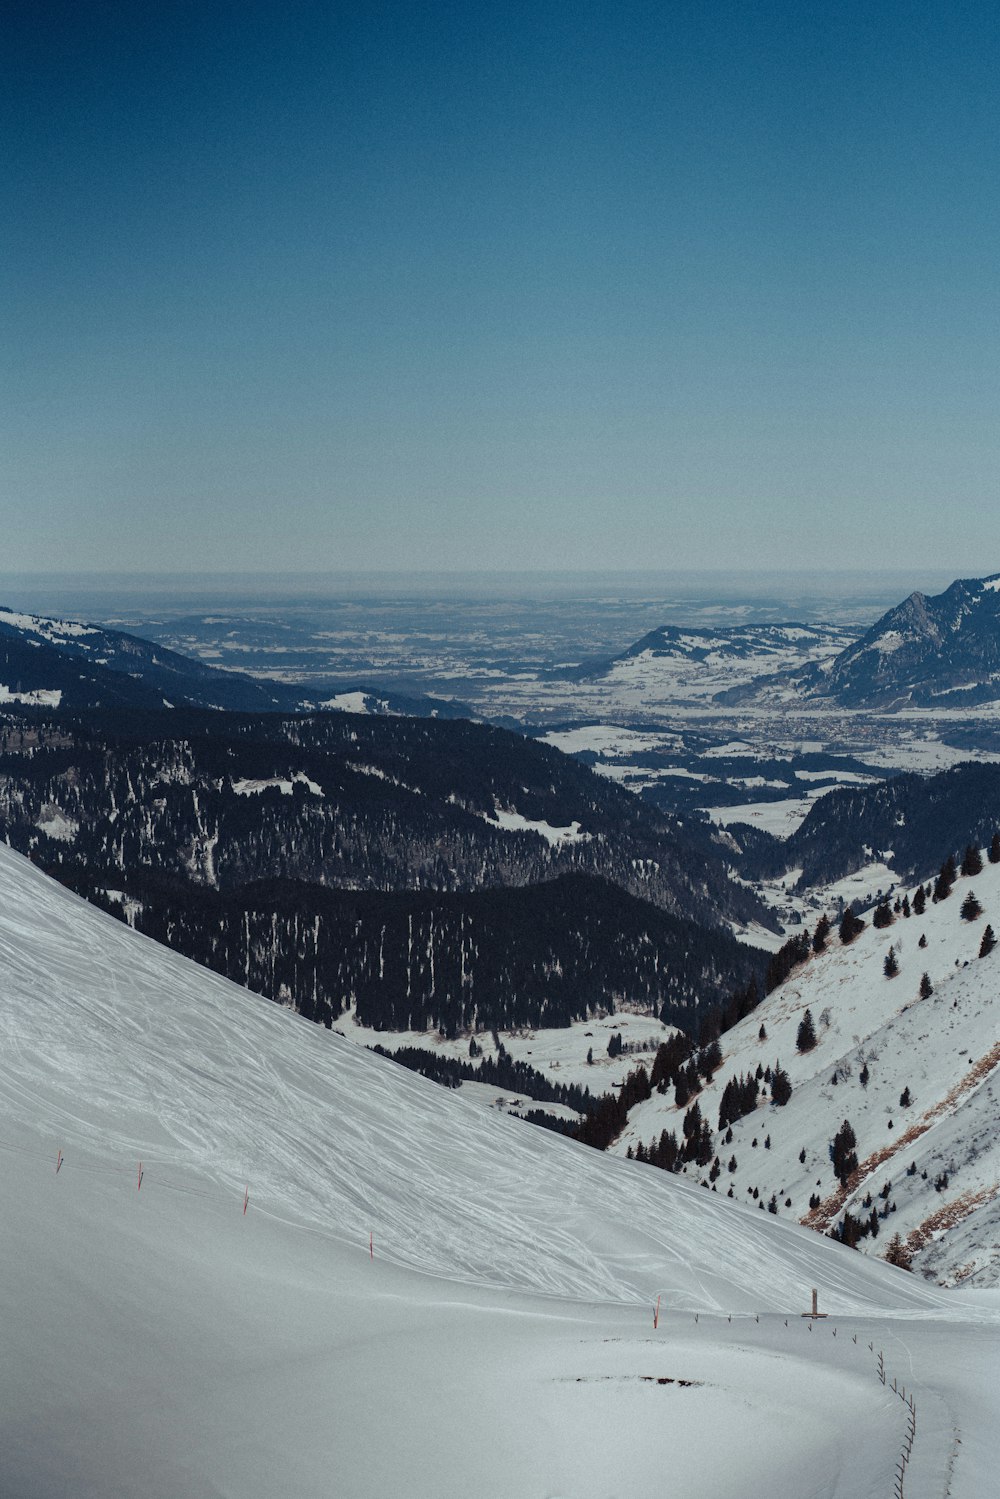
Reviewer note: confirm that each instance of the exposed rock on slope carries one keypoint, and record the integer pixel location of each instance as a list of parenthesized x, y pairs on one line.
[(930, 652), (911, 1062)]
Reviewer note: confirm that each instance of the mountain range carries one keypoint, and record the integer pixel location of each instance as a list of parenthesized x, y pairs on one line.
[(909, 823), (62, 663), (939, 652), (926, 652)]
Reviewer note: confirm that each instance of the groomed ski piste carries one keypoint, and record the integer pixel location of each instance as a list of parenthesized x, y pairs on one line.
[(333, 1277)]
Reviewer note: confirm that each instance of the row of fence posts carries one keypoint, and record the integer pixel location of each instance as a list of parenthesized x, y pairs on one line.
[(813, 1314), (899, 1390), (141, 1175), (911, 1422)]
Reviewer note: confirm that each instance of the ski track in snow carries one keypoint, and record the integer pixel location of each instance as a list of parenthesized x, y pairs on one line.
[(181, 1067)]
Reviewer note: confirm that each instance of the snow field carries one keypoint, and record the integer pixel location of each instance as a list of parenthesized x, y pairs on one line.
[(159, 1343), (560, 1052)]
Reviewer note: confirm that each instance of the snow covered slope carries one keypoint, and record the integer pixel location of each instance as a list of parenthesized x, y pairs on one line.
[(918, 1078), (932, 651), (674, 664), (495, 1339)]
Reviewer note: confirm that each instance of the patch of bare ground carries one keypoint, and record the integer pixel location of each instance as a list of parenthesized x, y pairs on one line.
[(823, 1217), (950, 1214)]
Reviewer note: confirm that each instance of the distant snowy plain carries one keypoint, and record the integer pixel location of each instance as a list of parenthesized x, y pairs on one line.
[(493, 1337)]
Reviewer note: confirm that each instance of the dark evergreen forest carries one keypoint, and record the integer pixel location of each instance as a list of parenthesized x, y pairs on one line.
[(908, 819), (341, 860)]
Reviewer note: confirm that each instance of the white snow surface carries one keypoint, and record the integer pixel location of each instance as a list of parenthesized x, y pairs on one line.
[(782, 818), (53, 630), (354, 702), (513, 822), (36, 697), (161, 1343), (558, 1051), (286, 785)]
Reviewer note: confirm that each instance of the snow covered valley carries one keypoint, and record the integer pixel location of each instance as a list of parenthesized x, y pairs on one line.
[(421, 1298)]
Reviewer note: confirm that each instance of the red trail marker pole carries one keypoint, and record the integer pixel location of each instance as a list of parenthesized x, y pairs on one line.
[(656, 1315), (139, 1184), (59, 1160), (246, 1199), (371, 1245)]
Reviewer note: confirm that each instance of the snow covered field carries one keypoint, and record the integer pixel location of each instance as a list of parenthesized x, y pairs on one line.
[(560, 1052), (496, 1341), (781, 818)]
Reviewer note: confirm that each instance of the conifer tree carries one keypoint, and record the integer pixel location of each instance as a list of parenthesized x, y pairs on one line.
[(709, 1060), (995, 849), (821, 933), (898, 1254), (919, 901), (947, 876), (805, 1040), (843, 1153), (891, 965), (972, 862), (781, 1086), (926, 987), (882, 915), (988, 943), (850, 925), (970, 908)]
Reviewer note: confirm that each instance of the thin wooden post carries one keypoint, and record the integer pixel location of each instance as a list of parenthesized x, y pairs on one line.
[(814, 1310)]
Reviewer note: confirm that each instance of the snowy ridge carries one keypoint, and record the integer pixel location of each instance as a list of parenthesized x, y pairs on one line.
[(925, 650)]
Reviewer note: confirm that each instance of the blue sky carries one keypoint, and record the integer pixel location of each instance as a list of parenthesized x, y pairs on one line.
[(629, 285)]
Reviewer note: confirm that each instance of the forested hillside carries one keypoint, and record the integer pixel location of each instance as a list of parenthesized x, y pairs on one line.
[(537, 955), (907, 822), (341, 800), (432, 874)]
